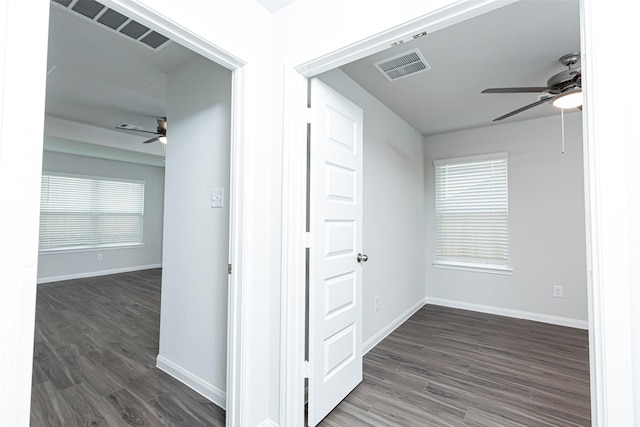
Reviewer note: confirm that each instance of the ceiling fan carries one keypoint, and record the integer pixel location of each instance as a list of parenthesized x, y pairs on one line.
[(559, 90), (160, 133)]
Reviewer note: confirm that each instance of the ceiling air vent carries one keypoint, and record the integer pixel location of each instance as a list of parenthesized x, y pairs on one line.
[(403, 65), (109, 18)]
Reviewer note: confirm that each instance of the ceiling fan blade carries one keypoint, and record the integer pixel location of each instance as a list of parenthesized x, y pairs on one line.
[(154, 139), (138, 130), (525, 108), (515, 89)]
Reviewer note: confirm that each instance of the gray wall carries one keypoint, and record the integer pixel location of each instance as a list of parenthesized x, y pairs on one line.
[(74, 264), (193, 322), (393, 220), (546, 222)]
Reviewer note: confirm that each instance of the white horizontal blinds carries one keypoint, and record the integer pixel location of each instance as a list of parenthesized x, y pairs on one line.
[(83, 212), (472, 223)]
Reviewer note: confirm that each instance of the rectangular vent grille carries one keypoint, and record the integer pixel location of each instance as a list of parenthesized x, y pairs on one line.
[(109, 18), (403, 65)]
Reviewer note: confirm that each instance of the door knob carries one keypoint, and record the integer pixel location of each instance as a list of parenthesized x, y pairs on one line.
[(362, 258)]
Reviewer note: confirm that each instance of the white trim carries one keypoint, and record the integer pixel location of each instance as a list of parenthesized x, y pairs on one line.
[(293, 294), (477, 268), (295, 173), (209, 391), (237, 338), (611, 224), (268, 423), (387, 330), (96, 273), (517, 314)]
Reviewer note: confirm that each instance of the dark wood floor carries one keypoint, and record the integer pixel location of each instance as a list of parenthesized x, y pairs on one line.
[(447, 367), (96, 340)]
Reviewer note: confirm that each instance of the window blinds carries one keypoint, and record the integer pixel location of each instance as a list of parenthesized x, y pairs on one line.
[(84, 212), (472, 223)]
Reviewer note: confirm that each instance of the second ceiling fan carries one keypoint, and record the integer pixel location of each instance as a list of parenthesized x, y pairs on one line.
[(160, 133), (563, 84)]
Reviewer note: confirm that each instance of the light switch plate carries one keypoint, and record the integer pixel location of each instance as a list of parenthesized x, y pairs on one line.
[(217, 197)]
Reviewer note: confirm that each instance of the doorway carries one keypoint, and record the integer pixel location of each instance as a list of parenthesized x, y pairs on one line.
[(372, 303), (227, 196)]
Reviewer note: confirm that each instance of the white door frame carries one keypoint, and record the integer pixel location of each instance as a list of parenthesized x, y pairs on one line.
[(294, 206)]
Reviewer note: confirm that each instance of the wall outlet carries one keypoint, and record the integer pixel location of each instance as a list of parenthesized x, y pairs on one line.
[(99, 257), (377, 303), (558, 291)]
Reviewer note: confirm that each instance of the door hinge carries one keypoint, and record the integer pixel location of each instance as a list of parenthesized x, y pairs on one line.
[(308, 240), (306, 369), (309, 115), (229, 269)]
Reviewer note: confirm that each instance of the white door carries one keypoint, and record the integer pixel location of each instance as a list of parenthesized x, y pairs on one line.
[(335, 270)]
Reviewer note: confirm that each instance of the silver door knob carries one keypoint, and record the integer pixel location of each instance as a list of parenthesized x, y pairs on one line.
[(362, 258)]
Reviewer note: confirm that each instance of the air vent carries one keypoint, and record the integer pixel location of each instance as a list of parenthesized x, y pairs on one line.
[(134, 30), (403, 65), (115, 21), (112, 19), (88, 8)]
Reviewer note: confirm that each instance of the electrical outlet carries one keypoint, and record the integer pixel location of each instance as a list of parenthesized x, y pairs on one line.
[(377, 303), (558, 291), (99, 257)]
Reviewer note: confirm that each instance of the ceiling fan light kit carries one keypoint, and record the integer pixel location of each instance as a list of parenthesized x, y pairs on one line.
[(571, 99)]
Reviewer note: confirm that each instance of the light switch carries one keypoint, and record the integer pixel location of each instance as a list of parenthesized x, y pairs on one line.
[(217, 197)]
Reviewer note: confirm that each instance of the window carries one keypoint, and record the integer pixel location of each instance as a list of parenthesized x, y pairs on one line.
[(472, 213), (87, 212)]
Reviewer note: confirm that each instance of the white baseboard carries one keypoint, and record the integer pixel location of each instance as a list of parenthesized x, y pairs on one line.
[(375, 340), (267, 423), (209, 391), (545, 318), (96, 273)]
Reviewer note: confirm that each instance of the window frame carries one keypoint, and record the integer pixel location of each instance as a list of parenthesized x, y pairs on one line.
[(94, 247), (482, 265)]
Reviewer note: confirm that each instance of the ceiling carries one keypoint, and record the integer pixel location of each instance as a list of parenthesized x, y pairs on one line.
[(100, 78), (274, 5), (516, 45)]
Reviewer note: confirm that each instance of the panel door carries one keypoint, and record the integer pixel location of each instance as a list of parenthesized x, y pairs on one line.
[(335, 274)]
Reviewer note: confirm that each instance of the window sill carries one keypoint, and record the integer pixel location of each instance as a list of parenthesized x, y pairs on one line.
[(477, 268), (90, 249)]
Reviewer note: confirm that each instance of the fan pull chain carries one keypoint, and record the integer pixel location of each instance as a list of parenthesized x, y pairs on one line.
[(562, 119)]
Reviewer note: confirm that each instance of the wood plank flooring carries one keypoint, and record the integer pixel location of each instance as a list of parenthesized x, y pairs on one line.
[(446, 367), (96, 340)]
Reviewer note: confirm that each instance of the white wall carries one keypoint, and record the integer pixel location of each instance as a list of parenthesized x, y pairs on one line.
[(193, 317), (546, 222), (393, 224), (68, 265)]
